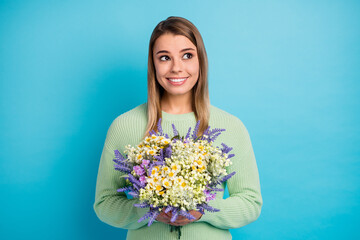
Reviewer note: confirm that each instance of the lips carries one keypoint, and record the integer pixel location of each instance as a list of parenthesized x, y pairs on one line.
[(177, 81)]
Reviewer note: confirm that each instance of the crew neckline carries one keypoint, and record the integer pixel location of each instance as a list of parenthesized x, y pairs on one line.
[(183, 116)]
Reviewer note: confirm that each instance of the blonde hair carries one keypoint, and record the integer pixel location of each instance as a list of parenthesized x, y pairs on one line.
[(200, 91)]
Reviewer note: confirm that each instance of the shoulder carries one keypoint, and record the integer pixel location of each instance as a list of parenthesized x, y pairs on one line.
[(128, 124), (236, 134), (132, 116), (218, 115), (135, 112)]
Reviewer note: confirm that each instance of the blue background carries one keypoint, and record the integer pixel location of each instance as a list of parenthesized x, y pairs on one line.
[(288, 69)]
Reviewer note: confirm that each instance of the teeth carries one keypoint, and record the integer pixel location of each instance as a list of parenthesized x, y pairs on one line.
[(177, 80)]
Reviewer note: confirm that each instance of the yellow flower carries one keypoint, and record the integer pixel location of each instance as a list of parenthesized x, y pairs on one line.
[(166, 183), (171, 174), (179, 180), (165, 170), (174, 167)]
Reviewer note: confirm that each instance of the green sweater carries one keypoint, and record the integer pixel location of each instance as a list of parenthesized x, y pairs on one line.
[(242, 207)]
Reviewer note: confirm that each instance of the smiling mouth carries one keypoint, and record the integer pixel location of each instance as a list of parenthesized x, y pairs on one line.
[(177, 80)]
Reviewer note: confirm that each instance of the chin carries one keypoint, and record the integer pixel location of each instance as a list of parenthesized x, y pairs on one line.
[(177, 93)]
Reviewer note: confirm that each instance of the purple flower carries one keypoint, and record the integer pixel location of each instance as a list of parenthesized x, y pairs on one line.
[(175, 130), (196, 130), (159, 127), (139, 170), (209, 196), (142, 179), (188, 134), (145, 163)]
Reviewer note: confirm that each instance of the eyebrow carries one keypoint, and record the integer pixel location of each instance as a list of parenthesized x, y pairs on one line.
[(185, 49)]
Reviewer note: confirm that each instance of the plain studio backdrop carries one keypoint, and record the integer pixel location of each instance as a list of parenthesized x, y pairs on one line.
[(288, 69)]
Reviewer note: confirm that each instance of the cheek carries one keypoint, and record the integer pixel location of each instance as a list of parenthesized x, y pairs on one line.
[(194, 68), (161, 69)]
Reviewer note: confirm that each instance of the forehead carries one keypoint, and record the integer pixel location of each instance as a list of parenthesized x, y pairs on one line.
[(171, 42)]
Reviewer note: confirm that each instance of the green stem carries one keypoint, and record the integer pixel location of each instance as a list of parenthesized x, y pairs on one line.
[(176, 228)]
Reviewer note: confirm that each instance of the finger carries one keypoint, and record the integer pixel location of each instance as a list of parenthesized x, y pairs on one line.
[(178, 224), (163, 214), (162, 219), (179, 217), (182, 222)]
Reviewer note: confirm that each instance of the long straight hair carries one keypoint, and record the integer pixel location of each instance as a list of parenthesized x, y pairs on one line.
[(200, 91)]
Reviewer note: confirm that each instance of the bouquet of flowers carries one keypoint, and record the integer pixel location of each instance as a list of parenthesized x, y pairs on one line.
[(178, 174)]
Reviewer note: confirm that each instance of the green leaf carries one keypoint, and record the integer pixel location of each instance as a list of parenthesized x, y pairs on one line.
[(177, 136)]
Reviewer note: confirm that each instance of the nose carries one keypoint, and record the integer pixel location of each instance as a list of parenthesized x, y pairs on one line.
[(176, 66)]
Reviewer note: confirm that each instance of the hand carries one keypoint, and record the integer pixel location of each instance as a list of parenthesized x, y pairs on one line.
[(164, 217), (180, 221)]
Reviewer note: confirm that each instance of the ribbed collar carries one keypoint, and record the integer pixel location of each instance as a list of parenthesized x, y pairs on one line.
[(176, 117)]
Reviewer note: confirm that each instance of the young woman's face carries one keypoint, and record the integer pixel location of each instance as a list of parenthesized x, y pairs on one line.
[(176, 63)]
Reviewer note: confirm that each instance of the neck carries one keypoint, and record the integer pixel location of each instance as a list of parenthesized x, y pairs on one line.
[(177, 104)]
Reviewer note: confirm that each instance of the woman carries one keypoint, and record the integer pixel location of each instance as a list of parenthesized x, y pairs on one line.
[(178, 94)]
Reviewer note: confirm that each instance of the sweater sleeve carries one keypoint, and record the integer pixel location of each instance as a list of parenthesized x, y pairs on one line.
[(244, 203), (112, 207)]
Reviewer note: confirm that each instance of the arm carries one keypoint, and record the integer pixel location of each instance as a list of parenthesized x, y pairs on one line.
[(112, 207), (244, 203)]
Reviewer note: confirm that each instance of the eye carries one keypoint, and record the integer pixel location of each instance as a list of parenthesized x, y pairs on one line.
[(189, 55), (164, 58)]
